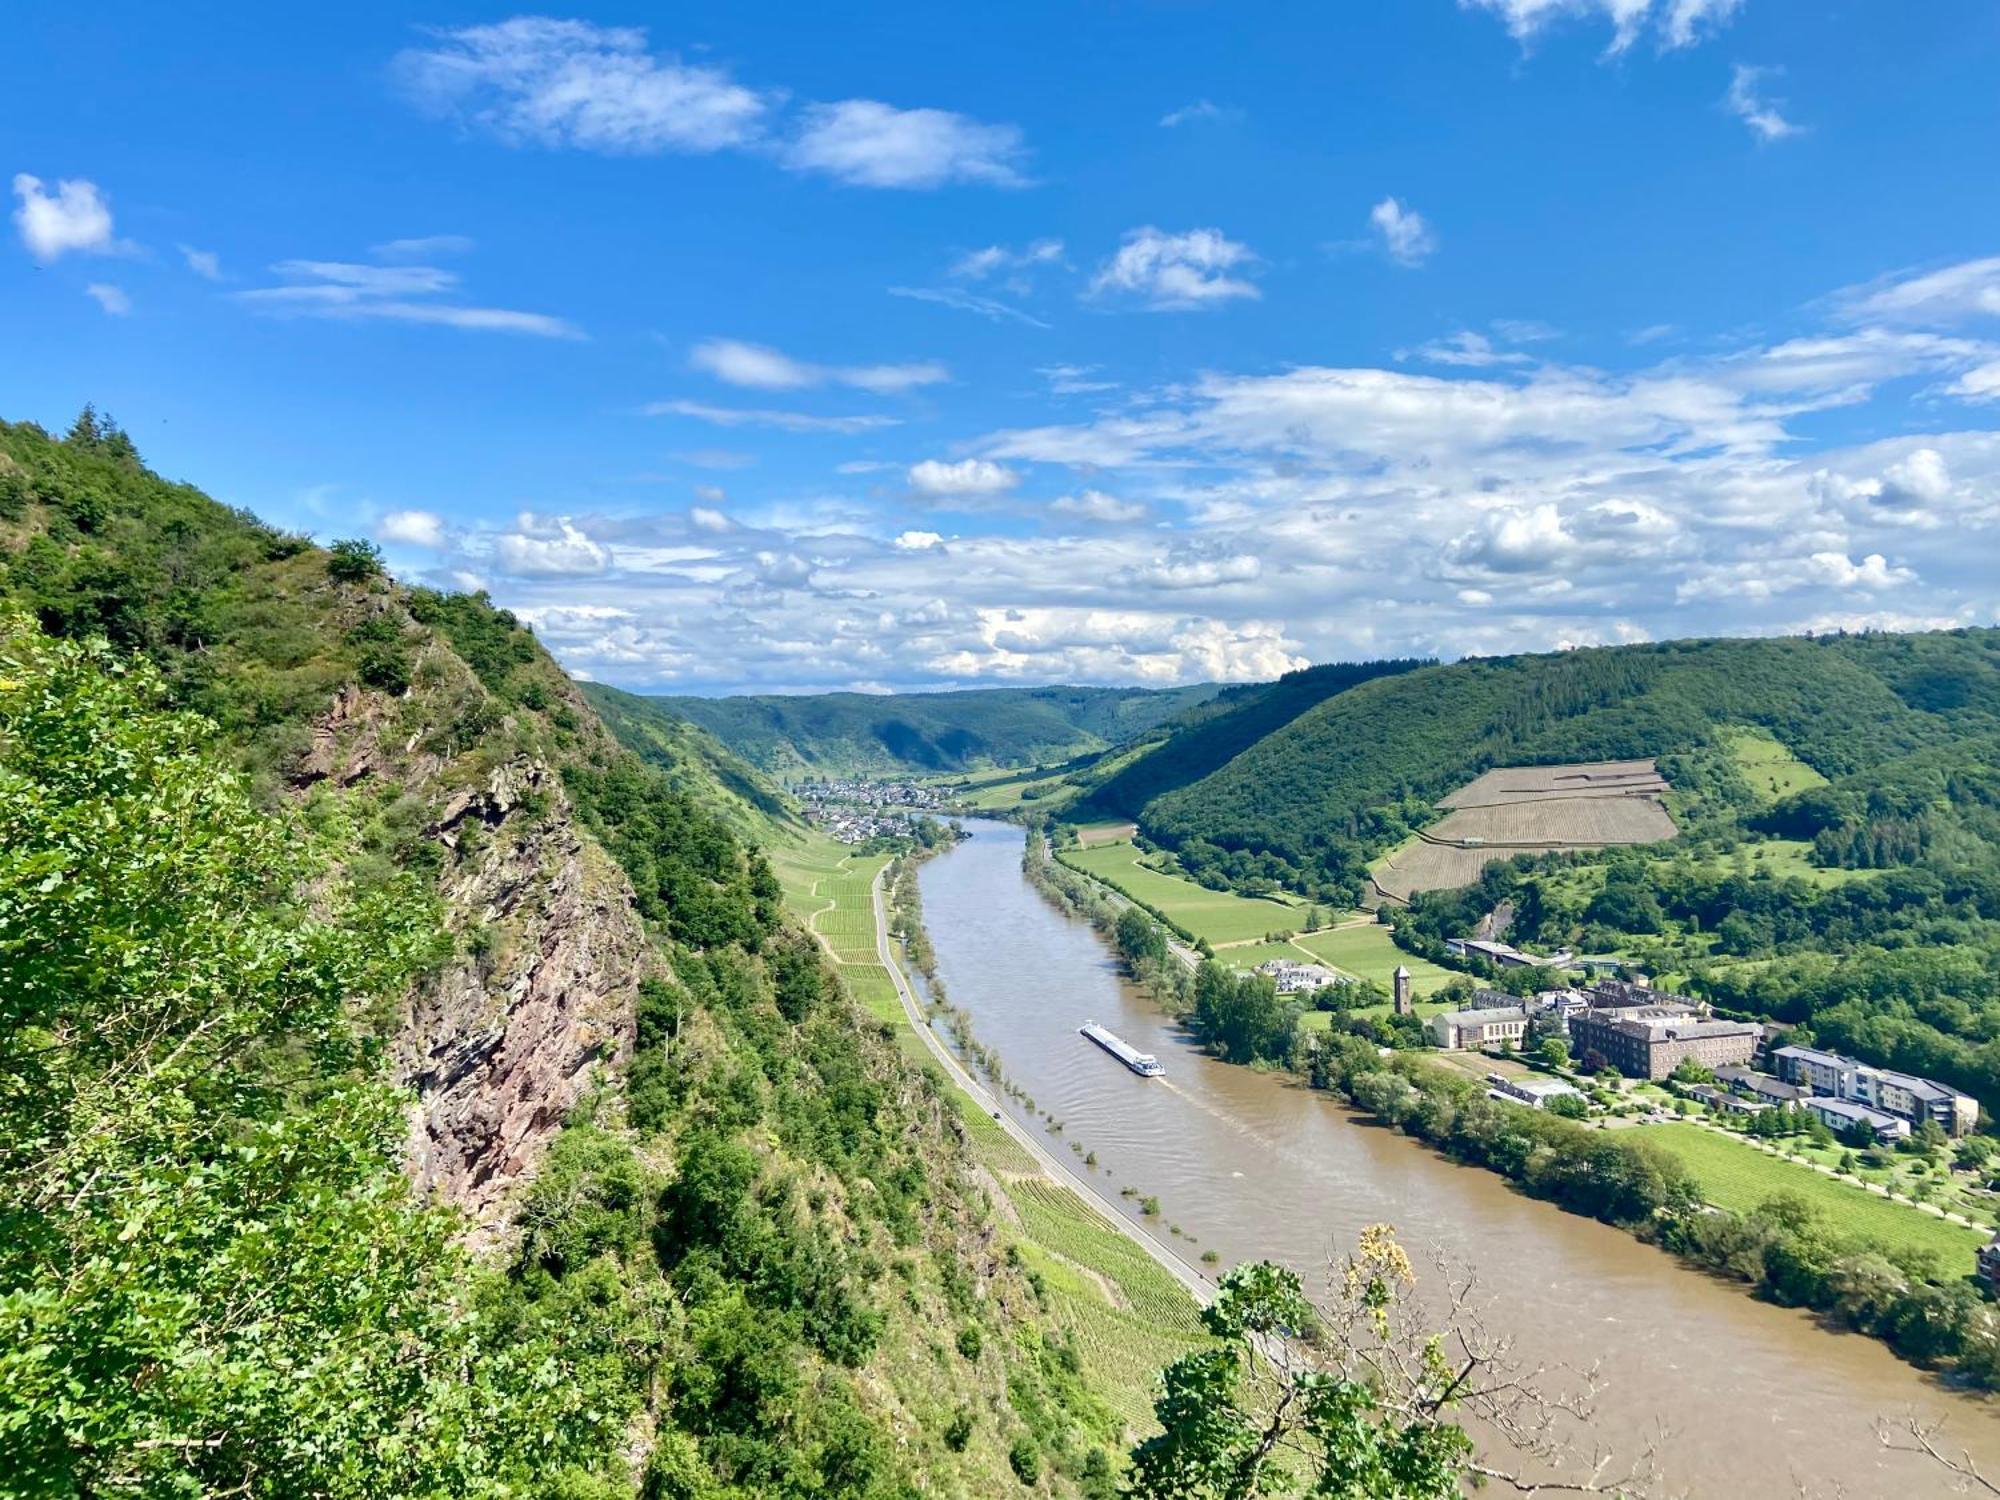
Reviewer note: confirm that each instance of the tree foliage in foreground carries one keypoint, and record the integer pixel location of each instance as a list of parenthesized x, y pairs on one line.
[(1286, 1402), (213, 1279)]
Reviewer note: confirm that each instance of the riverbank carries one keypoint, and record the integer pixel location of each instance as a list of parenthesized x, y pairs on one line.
[(1796, 1249), (1130, 1305)]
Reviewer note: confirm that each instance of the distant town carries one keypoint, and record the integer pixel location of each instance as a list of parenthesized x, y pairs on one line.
[(853, 811)]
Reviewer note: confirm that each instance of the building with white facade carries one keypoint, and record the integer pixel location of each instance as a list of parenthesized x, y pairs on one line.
[(1900, 1094), (1455, 1029)]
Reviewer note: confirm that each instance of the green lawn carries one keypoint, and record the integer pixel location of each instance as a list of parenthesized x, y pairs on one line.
[(1219, 916), (1772, 770), (1368, 952), (1736, 1175)]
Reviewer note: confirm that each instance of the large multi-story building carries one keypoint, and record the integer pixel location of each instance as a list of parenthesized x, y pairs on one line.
[(1453, 1029), (1830, 1075), (1650, 1041), (1842, 1115)]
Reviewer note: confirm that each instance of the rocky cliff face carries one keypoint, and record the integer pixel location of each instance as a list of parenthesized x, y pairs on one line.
[(500, 1043)]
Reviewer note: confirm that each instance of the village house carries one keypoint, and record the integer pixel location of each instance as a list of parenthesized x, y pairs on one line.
[(1900, 1094), (1293, 977)]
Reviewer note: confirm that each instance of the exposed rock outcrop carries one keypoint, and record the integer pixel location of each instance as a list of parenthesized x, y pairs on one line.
[(501, 1044)]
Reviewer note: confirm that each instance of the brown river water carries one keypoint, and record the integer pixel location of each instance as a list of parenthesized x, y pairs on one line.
[(1739, 1397)]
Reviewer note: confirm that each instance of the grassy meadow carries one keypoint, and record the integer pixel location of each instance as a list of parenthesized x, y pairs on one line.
[(1219, 916), (1736, 1175)]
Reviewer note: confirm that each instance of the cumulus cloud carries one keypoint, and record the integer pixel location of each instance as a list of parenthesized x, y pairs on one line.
[(75, 218), (1095, 505), (968, 479), (549, 547), (1673, 23), (763, 368), (784, 421), (111, 298), (1176, 272), (1406, 237), (867, 143), (400, 294), (535, 79), (1194, 567), (918, 541), (413, 528), (1747, 101)]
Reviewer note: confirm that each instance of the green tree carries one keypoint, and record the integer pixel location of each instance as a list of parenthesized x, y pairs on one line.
[(353, 560), (1554, 1052), (1348, 1403), (213, 1279)]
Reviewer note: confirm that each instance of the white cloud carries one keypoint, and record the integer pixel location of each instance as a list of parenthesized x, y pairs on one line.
[(534, 79), (422, 247), (1675, 23), (1406, 237), (111, 298), (990, 308), (965, 479), (1466, 348), (1747, 102), (1979, 384), (1201, 109), (784, 421), (204, 263), (919, 541), (542, 547), (866, 143), (1194, 567), (705, 519), (76, 217), (414, 528), (1176, 272), (1095, 505), (1074, 380), (1952, 294), (763, 368), (977, 265), (401, 294)]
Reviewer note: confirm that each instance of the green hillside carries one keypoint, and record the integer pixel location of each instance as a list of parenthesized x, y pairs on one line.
[(1209, 735), (698, 764), (406, 1090), (843, 734), (1310, 804)]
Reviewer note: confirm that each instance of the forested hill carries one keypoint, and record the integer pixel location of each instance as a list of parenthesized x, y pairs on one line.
[(842, 734), (338, 941), (1209, 735), (1310, 804)]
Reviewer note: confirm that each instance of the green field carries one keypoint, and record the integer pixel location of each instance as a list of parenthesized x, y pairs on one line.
[(1219, 916), (1772, 770), (1368, 952), (1736, 1175)]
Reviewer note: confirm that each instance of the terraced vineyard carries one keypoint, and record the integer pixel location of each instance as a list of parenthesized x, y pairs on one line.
[(1126, 1337), (1528, 809)]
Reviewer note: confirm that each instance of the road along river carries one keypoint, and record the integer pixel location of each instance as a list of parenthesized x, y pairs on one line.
[(1742, 1398)]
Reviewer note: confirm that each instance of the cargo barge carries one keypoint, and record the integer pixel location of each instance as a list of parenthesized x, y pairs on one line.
[(1142, 1063)]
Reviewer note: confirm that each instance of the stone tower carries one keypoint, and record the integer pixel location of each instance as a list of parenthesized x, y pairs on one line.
[(1401, 979)]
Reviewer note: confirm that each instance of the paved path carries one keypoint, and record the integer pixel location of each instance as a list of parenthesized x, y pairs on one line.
[(1198, 1286)]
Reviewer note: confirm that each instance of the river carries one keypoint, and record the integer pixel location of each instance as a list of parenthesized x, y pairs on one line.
[(1741, 1398)]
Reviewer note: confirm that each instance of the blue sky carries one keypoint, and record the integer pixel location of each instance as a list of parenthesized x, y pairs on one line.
[(767, 347)]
